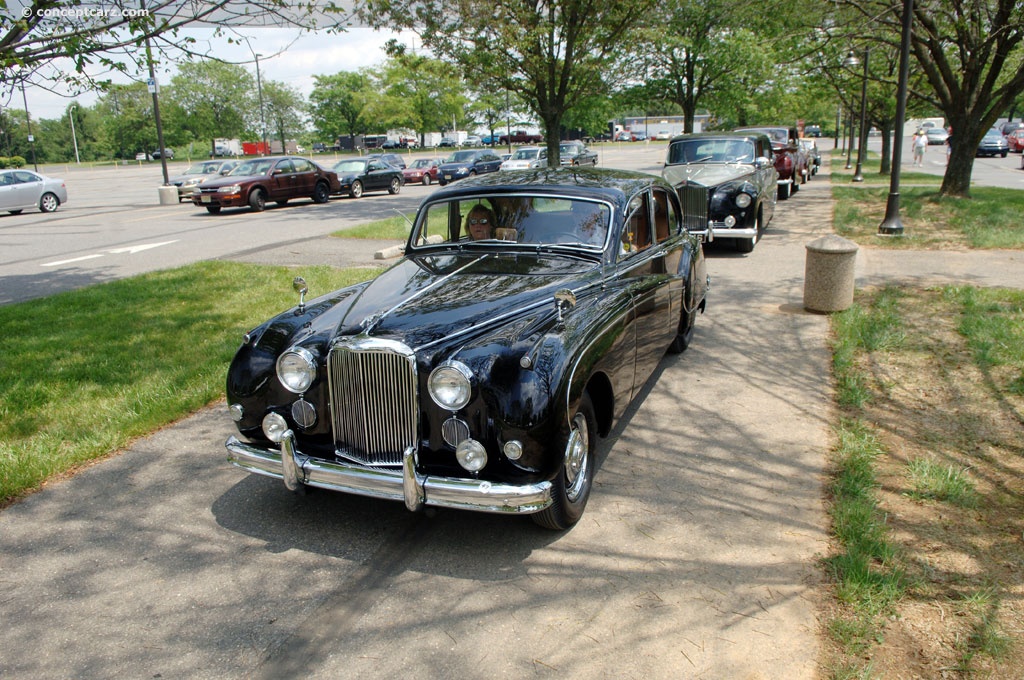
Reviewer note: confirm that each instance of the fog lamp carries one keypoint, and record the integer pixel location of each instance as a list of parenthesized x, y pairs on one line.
[(471, 455), (236, 412), (274, 427), (513, 450), (730, 221)]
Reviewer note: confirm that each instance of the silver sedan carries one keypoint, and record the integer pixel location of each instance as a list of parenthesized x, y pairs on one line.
[(21, 189)]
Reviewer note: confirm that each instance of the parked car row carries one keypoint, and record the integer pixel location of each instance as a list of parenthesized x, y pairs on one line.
[(791, 161)]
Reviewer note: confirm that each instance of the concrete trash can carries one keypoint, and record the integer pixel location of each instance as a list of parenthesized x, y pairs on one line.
[(829, 274), (168, 195)]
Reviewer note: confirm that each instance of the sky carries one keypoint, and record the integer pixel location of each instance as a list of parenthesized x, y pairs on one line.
[(299, 56)]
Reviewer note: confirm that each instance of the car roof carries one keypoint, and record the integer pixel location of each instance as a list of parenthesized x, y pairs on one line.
[(751, 134), (615, 186)]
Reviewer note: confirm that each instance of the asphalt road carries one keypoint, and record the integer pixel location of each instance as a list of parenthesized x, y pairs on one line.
[(696, 557)]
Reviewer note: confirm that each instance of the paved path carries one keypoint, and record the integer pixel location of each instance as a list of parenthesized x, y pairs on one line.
[(696, 557)]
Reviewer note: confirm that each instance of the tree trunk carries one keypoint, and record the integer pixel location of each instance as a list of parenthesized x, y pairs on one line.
[(957, 180), (552, 124)]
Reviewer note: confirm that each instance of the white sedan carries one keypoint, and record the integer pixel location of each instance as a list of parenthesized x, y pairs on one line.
[(22, 189), (527, 157)]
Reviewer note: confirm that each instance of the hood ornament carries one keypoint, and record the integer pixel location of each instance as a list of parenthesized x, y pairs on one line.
[(300, 287)]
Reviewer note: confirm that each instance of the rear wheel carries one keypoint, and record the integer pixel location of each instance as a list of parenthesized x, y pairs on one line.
[(746, 245), (783, 191), (571, 487), (321, 193), (48, 202), (395, 187), (357, 189), (687, 321), (257, 200)]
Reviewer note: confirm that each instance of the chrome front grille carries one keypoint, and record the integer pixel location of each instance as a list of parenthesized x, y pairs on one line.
[(373, 400), (695, 206)]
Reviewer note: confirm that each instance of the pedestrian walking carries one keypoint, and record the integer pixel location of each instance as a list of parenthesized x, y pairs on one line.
[(920, 143)]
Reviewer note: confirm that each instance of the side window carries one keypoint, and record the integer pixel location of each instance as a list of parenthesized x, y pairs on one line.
[(302, 165), (636, 235), (284, 167)]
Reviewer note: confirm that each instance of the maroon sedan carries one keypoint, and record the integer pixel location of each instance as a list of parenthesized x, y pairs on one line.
[(422, 170), (791, 161), (274, 178)]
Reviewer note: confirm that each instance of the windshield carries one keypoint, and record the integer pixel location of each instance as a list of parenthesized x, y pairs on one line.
[(261, 167), (462, 157), (203, 169), (349, 166), (568, 149), (422, 163), (526, 154), (525, 219), (711, 151)]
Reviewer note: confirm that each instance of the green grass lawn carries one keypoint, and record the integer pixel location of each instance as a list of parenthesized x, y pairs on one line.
[(86, 372)]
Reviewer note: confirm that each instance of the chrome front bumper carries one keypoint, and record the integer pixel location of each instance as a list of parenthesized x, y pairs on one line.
[(406, 484)]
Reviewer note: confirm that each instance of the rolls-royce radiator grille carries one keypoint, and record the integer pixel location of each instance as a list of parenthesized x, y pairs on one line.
[(373, 404), (695, 206)]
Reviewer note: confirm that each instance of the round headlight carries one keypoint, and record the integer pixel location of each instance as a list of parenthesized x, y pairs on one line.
[(296, 369), (742, 200), (513, 449), (450, 385), (471, 455)]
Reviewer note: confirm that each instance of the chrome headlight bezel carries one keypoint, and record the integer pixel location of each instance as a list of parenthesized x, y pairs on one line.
[(450, 385), (296, 369), (743, 200)]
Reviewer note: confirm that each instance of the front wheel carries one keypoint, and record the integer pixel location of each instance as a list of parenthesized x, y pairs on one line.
[(49, 202), (784, 191), (357, 189), (746, 245), (257, 200), (571, 487), (395, 187), (426, 179)]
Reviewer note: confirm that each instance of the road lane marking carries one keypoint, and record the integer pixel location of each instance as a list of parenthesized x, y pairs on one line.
[(138, 249), (74, 259), (131, 250)]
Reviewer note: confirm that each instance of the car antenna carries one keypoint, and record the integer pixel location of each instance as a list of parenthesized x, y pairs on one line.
[(403, 216)]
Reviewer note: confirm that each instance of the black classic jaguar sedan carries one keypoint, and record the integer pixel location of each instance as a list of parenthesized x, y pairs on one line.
[(479, 371), (727, 183)]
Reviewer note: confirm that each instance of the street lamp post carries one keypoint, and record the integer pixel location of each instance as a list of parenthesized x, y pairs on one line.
[(891, 224), (259, 92), (74, 137), (28, 123), (852, 61), (862, 138), (849, 140)]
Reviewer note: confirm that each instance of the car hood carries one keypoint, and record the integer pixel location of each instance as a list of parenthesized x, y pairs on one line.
[(706, 174), (516, 164), (438, 301)]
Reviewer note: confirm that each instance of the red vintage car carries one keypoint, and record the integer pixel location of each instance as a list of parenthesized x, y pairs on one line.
[(790, 160), (422, 170), (1016, 140)]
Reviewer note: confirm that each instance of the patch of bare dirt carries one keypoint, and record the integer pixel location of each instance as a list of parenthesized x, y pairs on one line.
[(963, 612)]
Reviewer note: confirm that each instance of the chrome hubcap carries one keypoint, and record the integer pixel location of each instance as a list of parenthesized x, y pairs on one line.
[(577, 458)]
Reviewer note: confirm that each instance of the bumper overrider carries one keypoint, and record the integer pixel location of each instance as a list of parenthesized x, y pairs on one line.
[(408, 485)]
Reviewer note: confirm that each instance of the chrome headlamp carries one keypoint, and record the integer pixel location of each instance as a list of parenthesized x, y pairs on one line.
[(296, 369), (450, 385)]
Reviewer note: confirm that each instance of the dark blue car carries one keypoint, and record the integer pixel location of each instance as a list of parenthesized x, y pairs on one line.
[(462, 164)]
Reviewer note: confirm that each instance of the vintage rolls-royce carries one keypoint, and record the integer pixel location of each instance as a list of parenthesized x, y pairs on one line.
[(727, 184), (478, 372)]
